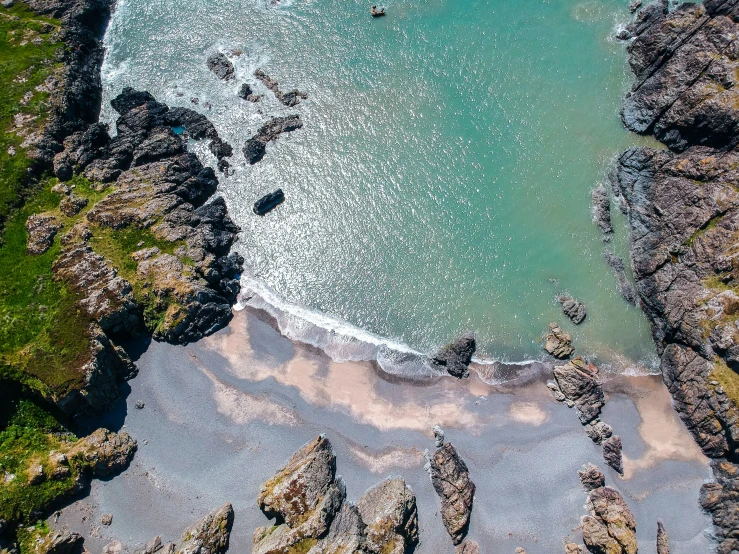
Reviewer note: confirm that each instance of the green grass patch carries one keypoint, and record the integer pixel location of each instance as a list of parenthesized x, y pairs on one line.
[(728, 379)]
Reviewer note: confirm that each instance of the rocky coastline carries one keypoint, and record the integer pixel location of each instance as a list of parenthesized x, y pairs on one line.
[(683, 213)]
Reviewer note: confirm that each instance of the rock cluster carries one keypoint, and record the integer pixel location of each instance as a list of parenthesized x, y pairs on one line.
[(610, 528), (451, 480), (558, 343), (307, 500), (256, 146), (456, 357), (289, 99), (683, 211), (572, 308), (721, 499)]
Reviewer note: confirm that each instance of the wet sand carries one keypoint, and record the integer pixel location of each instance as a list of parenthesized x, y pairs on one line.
[(223, 415)]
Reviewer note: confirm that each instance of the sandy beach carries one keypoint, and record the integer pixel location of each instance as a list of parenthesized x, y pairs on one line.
[(221, 417)]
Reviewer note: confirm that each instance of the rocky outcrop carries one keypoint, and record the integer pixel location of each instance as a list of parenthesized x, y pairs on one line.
[(456, 357), (557, 343), (60, 542), (610, 528), (41, 232), (246, 93), (289, 99), (256, 146), (220, 65), (598, 431), (663, 542), (308, 502), (576, 383), (105, 452), (572, 308), (721, 499), (451, 480), (625, 288), (467, 547)]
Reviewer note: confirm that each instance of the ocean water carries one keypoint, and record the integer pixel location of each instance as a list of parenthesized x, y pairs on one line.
[(441, 182)]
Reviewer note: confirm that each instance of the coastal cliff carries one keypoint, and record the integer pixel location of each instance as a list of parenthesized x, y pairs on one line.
[(682, 206)]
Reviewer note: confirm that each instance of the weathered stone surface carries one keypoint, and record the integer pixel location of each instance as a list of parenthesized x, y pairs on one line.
[(663, 542), (208, 535), (41, 232), (612, 448), (256, 146), (598, 431), (610, 528), (467, 547), (591, 477), (624, 285), (720, 499), (220, 65), (557, 343), (391, 517), (346, 534), (452, 483), (60, 542), (579, 384), (572, 308), (105, 452), (602, 211), (72, 204), (455, 357)]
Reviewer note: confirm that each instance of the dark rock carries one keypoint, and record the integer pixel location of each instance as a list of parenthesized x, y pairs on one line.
[(663, 543), (377, 12), (612, 453), (221, 149), (269, 202), (452, 483), (455, 357), (598, 431), (289, 99), (558, 343), (591, 477), (578, 383), (602, 211), (574, 309), (41, 232), (625, 288), (219, 64), (246, 93), (139, 405), (721, 500), (255, 147)]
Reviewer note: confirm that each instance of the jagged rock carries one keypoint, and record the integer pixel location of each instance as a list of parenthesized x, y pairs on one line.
[(452, 483), (255, 147), (721, 500), (574, 309), (591, 477), (612, 453), (346, 534), (578, 383), (219, 64), (246, 93), (105, 452), (455, 358), (558, 343), (41, 232), (467, 547), (221, 149), (602, 211), (60, 542), (106, 519), (377, 12), (625, 288), (610, 528), (598, 431), (304, 495), (391, 517), (208, 535), (663, 544), (269, 202)]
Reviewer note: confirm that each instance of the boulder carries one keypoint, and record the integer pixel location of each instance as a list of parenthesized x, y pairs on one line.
[(105, 452), (246, 93), (209, 535), (598, 431), (572, 308), (391, 517), (269, 202), (289, 99), (60, 542), (451, 481), (255, 148), (41, 232), (557, 343), (455, 357), (602, 211), (591, 477), (221, 66), (612, 453)]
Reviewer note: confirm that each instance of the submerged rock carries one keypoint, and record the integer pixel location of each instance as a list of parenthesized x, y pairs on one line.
[(578, 383), (558, 343), (289, 99), (574, 309), (452, 484), (602, 211), (256, 146), (219, 64), (269, 202), (455, 357), (625, 288)]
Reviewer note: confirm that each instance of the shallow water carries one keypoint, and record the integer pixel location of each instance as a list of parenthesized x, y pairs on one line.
[(442, 179)]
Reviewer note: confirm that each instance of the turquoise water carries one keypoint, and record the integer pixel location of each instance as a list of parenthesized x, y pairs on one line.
[(442, 179)]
